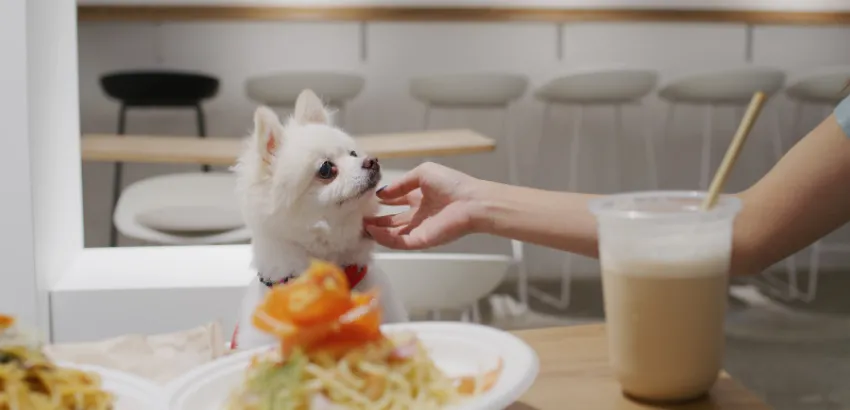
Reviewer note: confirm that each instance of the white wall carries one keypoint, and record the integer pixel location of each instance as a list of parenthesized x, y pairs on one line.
[(19, 294), (54, 129), (395, 51), (39, 122)]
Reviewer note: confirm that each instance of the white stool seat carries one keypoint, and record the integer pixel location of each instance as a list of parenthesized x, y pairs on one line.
[(828, 87), (612, 86), (468, 90), (182, 209), (724, 87), (438, 281), (282, 89)]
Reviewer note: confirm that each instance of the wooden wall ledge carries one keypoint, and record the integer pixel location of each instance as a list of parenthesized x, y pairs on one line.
[(453, 14)]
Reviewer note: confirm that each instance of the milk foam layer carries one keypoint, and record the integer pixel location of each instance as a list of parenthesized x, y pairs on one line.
[(666, 266)]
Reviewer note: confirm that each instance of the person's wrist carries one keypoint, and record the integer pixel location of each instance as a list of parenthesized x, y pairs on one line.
[(482, 198)]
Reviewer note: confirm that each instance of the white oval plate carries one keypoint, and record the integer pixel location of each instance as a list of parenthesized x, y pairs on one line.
[(131, 392), (456, 348)]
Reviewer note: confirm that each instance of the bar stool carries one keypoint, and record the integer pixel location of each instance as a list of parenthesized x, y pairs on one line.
[(155, 89), (614, 88), (727, 88), (182, 209), (280, 90), (820, 90), (485, 91)]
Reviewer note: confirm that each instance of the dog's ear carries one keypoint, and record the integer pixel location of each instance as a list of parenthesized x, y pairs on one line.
[(268, 131), (309, 109)]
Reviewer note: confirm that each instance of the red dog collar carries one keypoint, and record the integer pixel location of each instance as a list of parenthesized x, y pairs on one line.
[(353, 273)]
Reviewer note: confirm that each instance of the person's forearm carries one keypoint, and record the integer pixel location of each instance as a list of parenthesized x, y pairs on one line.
[(562, 220), (557, 220), (804, 197)]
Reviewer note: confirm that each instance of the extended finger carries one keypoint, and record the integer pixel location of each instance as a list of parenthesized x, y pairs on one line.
[(402, 186)]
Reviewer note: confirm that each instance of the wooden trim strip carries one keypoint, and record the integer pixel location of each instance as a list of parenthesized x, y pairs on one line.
[(449, 14)]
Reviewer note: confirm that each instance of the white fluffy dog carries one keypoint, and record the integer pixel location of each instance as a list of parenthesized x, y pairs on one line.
[(304, 189)]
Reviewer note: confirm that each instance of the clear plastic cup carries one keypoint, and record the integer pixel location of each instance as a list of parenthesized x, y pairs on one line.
[(665, 266)]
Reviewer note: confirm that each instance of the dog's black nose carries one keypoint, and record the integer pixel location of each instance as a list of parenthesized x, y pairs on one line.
[(371, 164)]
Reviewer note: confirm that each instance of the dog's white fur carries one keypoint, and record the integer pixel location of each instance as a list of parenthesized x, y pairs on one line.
[(294, 215)]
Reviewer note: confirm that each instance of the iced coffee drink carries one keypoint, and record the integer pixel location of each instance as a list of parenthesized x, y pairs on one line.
[(665, 265)]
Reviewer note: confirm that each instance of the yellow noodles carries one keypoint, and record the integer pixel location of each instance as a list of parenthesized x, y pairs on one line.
[(30, 381), (368, 377)]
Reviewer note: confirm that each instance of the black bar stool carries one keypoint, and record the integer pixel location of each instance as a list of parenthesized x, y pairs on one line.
[(155, 89)]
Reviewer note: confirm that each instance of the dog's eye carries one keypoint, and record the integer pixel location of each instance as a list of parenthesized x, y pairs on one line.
[(327, 170), (353, 153)]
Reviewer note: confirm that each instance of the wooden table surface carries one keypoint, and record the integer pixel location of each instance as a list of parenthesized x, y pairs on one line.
[(224, 151), (574, 375)]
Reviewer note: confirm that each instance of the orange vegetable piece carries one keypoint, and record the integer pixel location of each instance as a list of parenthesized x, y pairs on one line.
[(322, 296), (317, 311), (6, 322), (319, 295), (367, 324), (264, 319), (466, 384), (363, 327)]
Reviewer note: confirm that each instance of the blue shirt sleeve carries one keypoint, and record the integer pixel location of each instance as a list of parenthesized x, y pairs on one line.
[(842, 115)]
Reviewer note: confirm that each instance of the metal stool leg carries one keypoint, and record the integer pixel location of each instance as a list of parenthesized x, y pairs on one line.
[(522, 282), (814, 270), (705, 167), (517, 247), (202, 129), (649, 146), (340, 116), (776, 139), (117, 178), (563, 301), (619, 132), (669, 117), (798, 121), (426, 121)]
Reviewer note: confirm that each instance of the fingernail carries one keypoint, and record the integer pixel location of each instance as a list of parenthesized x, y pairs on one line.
[(381, 189)]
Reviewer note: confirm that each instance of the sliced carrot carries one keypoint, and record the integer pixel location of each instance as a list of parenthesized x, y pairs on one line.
[(319, 295), (318, 311), (275, 325), (328, 275), (466, 384), (367, 323), (305, 337), (307, 303), (6, 322)]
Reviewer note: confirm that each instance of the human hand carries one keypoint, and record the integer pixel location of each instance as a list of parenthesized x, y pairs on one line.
[(443, 208)]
